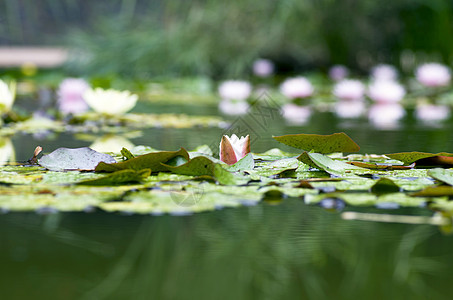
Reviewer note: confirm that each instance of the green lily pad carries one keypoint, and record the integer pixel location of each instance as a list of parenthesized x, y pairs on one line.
[(64, 159), (446, 176), (337, 142), (434, 191), (202, 166), (327, 164), (119, 177), (245, 163), (410, 157), (384, 186), (151, 161)]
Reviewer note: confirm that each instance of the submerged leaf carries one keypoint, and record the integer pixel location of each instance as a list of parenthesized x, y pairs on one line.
[(64, 159), (147, 161), (337, 142)]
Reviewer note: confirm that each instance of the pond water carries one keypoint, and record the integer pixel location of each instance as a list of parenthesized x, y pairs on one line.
[(268, 251)]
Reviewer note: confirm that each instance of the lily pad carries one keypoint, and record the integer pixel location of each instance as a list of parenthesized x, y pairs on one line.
[(245, 163), (384, 186), (410, 157), (119, 177), (337, 142), (151, 161), (64, 159), (326, 163), (445, 176), (202, 166)]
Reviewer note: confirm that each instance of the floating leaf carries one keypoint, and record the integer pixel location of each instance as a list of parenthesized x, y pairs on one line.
[(384, 186), (410, 157), (147, 161), (202, 166), (337, 142), (434, 191), (326, 163), (245, 163), (119, 177), (380, 166), (64, 159), (446, 176)]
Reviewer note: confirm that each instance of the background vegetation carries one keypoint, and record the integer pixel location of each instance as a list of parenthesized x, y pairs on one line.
[(139, 38)]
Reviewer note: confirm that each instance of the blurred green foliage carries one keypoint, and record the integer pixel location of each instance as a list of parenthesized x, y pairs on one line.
[(144, 39)]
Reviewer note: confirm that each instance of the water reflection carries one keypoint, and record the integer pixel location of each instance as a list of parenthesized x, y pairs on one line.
[(7, 152), (262, 252), (111, 143)]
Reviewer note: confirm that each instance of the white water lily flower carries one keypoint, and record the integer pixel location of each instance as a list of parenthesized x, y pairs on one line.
[(432, 113), (349, 90), (384, 72), (263, 67), (233, 108), (232, 149), (296, 114), (70, 96), (350, 109), (235, 90), (7, 96), (433, 75), (111, 102), (385, 91), (297, 87), (386, 115)]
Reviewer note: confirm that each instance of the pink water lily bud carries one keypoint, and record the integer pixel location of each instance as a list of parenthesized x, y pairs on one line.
[(232, 149)]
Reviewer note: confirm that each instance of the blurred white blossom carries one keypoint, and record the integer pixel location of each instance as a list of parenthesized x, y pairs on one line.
[(235, 90), (350, 109), (297, 87), (433, 75), (384, 72), (70, 96), (7, 152), (385, 91), (431, 113), (338, 72), (233, 108), (296, 114), (263, 67), (386, 115), (7, 96), (111, 143), (111, 102), (349, 89)]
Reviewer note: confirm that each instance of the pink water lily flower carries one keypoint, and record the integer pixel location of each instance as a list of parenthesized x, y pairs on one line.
[(433, 75), (232, 149)]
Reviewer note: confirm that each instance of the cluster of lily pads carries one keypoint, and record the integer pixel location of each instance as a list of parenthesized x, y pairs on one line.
[(384, 100), (145, 180)]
